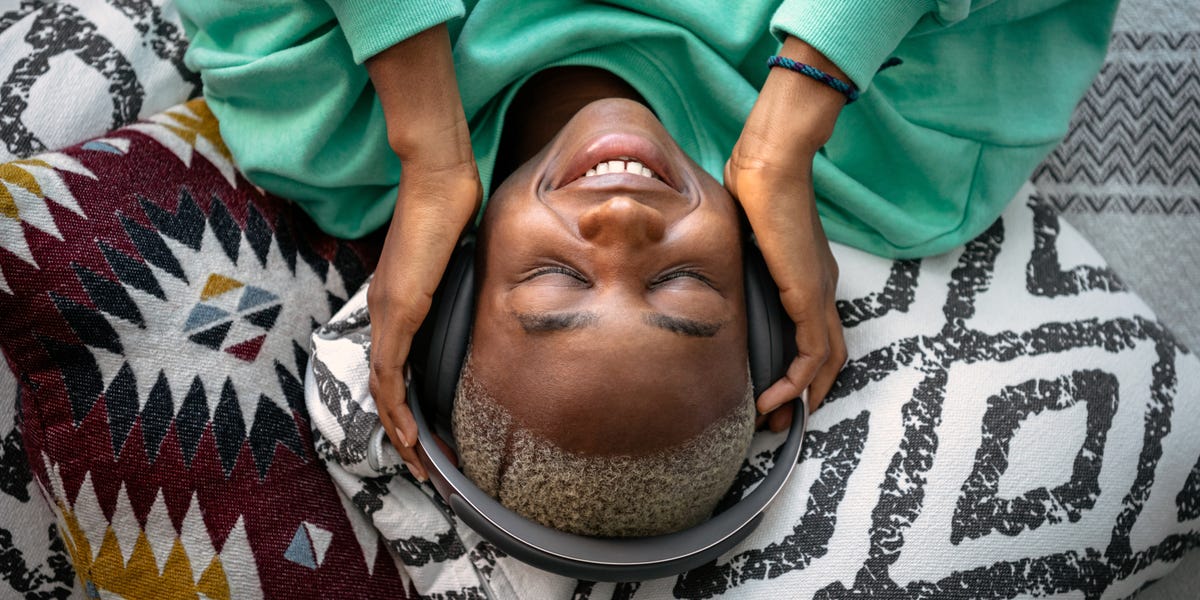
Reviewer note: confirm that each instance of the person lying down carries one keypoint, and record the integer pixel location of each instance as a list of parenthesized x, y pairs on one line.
[(610, 333)]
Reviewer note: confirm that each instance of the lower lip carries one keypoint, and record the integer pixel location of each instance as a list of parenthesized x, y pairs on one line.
[(612, 145)]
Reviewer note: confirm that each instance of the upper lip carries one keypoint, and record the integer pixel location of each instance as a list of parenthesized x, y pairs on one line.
[(619, 146)]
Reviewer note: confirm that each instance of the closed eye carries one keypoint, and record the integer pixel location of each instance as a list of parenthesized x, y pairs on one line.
[(684, 273), (556, 270)]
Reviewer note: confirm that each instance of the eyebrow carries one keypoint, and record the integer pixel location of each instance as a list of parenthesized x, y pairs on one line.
[(544, 322), (682, 325), (551, 322)]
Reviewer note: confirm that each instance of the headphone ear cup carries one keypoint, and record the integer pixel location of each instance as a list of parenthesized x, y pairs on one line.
[(771, 334), (444, 337)]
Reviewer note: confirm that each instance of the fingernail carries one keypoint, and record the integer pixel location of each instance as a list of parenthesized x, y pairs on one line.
[(416, 473), (404, 439)]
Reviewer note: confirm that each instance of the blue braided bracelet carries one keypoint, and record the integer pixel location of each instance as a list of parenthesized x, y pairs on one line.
[(847, 89)]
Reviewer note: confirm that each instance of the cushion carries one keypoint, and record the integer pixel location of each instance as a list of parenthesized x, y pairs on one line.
[(74, 70), (156, 313), (1012, 421)]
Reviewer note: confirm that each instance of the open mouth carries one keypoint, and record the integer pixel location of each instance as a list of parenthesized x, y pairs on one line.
[(623, 154), (622, 164)]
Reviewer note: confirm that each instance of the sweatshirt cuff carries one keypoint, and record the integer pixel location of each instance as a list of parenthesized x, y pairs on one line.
[(856, 35), (372, 26)]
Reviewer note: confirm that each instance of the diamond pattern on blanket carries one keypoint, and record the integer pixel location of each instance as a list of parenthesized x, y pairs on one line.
[(1012, 422), (233, 317), (982, 510), (228, 315)]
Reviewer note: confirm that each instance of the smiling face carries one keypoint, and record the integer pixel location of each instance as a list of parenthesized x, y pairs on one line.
[(610, 316)]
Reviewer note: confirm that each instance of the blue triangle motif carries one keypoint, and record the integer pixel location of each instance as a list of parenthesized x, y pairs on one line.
[(300, 550), (203, 314), (254, 296), (102, 147)]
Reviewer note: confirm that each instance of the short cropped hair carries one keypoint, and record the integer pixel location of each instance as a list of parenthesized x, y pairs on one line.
[(612, 496)]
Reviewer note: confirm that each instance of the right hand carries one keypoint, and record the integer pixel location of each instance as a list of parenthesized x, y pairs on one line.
[(439, 195), (424, 232)]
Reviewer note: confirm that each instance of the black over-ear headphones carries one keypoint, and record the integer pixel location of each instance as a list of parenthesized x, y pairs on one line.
[(439, 351)]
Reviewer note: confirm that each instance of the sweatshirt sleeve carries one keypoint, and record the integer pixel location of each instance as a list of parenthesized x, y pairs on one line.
[(858, 35), (372, 26), (296, 108)]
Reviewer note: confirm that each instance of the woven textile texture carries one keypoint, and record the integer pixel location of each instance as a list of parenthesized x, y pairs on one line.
[(70, 70), (1125, 177), (74, 69), (157, 309), (1128, 173), (1012, 421)]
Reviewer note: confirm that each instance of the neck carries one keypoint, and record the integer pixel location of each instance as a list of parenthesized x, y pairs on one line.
[(543, 106)]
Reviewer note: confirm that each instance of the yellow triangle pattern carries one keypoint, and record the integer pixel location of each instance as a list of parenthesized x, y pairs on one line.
[(203, 125), (218, 284), (14, 174), (140, 578)]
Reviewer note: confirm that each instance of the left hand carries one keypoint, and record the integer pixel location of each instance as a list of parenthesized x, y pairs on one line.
[(770, 173)]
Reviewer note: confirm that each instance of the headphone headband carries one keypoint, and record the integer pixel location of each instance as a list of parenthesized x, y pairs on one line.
[(604, 559)]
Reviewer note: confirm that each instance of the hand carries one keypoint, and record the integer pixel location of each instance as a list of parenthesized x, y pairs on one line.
[(439, 195), (770, 173)]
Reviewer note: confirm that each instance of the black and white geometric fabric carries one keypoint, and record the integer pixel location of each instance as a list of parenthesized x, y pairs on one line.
[(33, 559), (1134, 142), (1012, 422), (75, 69)]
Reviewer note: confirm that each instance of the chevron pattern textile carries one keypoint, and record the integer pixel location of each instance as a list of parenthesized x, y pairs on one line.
[(156, 312), (1128, 173), (158, 359), (1134, 144)]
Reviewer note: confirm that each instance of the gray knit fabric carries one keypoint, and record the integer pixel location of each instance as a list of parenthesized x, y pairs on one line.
[(615, 496)]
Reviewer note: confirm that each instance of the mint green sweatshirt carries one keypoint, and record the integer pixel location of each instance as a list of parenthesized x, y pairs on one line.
[(925, 160)]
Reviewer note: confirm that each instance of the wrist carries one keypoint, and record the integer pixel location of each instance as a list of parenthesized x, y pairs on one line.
[(418, 91), (802, 109)]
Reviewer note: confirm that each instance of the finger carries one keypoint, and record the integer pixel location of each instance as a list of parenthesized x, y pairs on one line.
[(391, 418), (386, 383), (387, 388), (781, 419), (827, 374), (794, 382), (812, 342), (760, 421), (780, 393)]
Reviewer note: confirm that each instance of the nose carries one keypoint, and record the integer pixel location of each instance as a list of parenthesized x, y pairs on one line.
[(622, 220)]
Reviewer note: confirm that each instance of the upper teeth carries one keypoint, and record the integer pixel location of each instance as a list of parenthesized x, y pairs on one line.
[(621, 166)]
